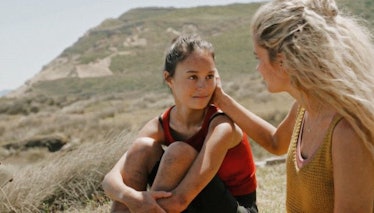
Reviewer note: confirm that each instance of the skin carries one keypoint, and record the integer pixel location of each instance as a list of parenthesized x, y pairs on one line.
[(183, 172), (353, 183)]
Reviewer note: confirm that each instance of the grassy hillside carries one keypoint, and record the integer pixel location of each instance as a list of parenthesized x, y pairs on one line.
[(85, 108), (137, 40), (97, 117)]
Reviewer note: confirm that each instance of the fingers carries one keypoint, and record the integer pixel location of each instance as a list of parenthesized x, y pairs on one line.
[(219, 82), (160, 194)]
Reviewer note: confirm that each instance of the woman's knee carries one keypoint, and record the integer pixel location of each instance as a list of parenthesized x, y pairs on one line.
[(174, 164), (144, 152), (180, 151), (145, 147)]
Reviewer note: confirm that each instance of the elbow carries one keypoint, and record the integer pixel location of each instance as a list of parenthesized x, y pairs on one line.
[(275, 152), (278, 151), (275, 149), (278, 146)]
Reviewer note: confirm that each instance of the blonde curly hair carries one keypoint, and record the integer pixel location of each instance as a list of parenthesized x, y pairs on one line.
[(328, 55)]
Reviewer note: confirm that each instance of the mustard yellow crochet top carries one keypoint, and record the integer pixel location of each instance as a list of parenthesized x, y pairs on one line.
[(311, 187)]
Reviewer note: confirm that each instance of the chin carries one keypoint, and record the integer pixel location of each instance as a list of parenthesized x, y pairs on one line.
[(269, 88), (272, 90), (199, 106)]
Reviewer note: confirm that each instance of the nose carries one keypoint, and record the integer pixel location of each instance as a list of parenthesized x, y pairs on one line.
[(201, 83)]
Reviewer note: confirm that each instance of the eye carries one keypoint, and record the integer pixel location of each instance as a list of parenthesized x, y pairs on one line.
[(192, 77), (211, 76)]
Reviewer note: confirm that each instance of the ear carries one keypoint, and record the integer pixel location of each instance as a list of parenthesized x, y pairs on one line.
[(167, 77), (280, 63), (280, 59)]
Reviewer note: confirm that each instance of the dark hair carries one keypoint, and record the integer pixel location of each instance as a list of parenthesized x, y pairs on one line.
[(182, 47)]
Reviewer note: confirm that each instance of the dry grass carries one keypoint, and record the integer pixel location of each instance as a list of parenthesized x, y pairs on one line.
[(271, 190), (70, 181)]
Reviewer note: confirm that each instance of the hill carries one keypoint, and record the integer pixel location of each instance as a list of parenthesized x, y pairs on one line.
[(72, 120), (130, 49), (108, 58), (110, 79)]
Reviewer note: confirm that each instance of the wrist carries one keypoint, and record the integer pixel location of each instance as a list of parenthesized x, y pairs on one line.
[(182, 201), (128, 196), (223, 101)]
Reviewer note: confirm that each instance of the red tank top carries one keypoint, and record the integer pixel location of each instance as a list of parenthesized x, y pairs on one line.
[(237, 170)]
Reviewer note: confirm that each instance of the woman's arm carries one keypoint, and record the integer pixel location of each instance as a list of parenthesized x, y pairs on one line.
[(114, 181), (113, 184), (222, 135), (353, 169), (275, 140)]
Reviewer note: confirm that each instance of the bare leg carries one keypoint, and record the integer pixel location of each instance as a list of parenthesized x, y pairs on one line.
[(140, 159), (174, 164)]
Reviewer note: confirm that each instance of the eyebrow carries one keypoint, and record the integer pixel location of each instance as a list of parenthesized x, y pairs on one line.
[(195, 71)]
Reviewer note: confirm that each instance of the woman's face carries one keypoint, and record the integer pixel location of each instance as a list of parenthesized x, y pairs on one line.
[(273, 74), (194, 80)]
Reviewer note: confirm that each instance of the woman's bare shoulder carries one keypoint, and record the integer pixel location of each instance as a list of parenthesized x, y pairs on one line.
[(152, 129), (347, 144)]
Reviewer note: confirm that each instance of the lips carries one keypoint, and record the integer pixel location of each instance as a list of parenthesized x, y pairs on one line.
[(201, 96)]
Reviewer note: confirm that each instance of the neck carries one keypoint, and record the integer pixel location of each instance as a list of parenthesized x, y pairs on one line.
[(313, 106), (317, 116), (319, 110), (187, 117)]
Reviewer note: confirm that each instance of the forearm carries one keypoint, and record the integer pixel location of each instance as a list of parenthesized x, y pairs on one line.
[(185, 192), (206, 164), (193, 183), (115, 189), (256, 128), (113, 184)]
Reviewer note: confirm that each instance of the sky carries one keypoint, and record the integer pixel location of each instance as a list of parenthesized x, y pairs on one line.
[(34, 32)]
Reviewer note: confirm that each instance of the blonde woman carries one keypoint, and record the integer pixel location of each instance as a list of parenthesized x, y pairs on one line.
[(324, 60)]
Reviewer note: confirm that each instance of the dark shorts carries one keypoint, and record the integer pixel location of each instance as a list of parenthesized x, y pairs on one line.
[(215, 197)]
